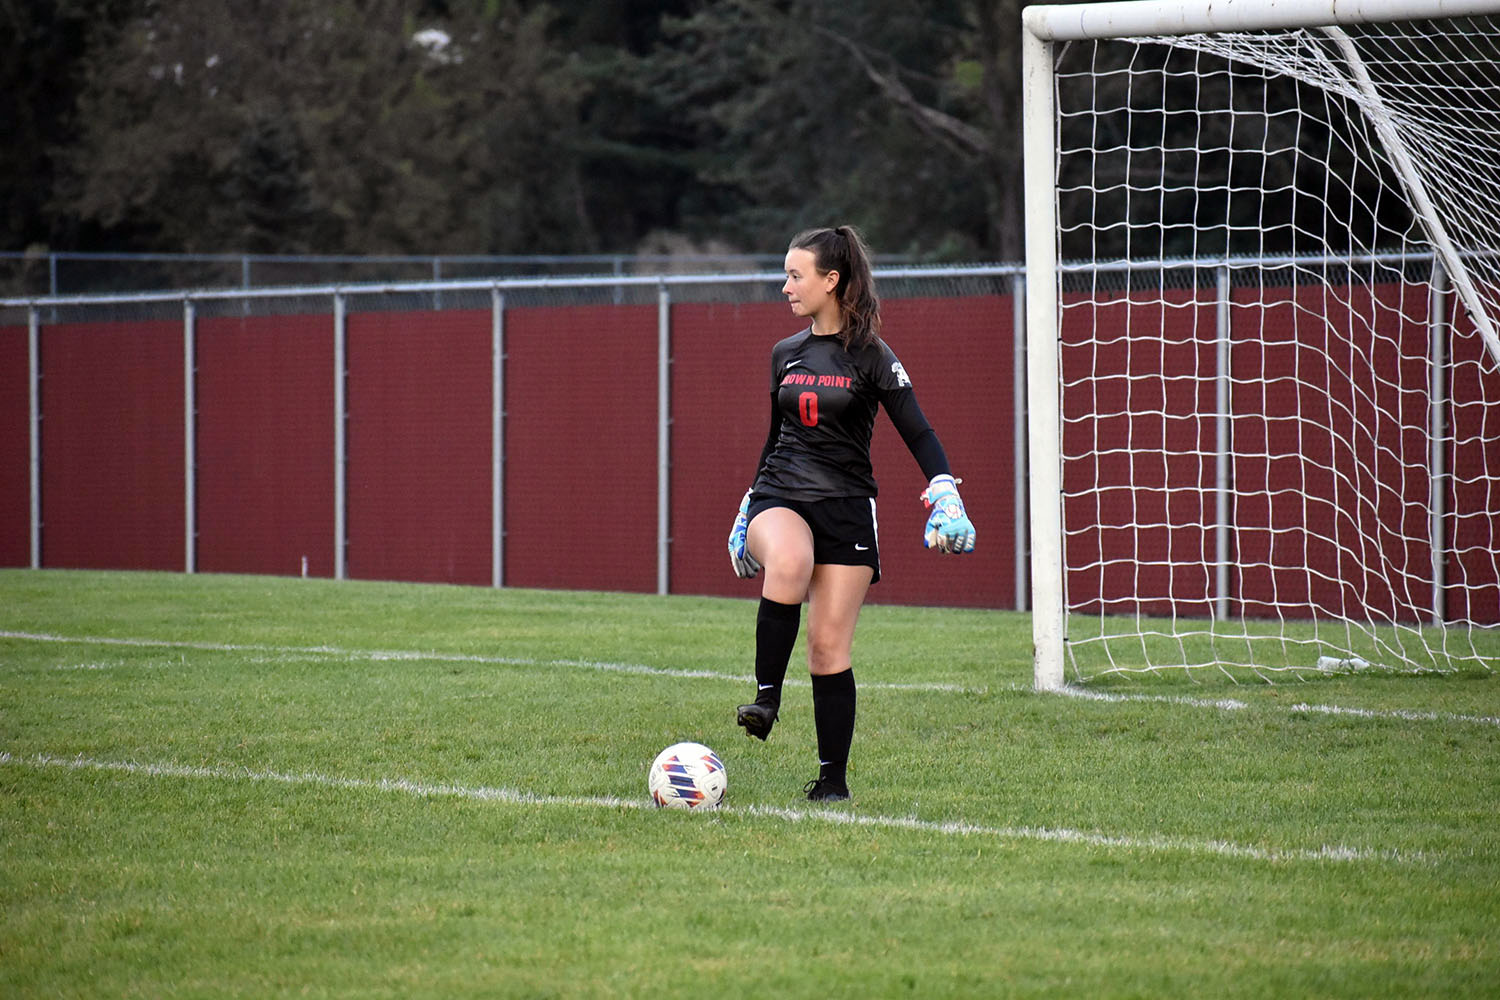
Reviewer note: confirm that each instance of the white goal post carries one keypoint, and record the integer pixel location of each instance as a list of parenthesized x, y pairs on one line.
[(1263, 335)]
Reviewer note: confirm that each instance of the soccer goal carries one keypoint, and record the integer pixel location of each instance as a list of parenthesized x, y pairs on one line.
[(1263, 295)]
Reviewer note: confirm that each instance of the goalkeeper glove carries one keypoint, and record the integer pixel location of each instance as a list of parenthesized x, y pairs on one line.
[(948, 527), (740, 558)]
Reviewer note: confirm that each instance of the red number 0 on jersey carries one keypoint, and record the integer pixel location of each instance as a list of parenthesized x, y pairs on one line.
[(807, 408)]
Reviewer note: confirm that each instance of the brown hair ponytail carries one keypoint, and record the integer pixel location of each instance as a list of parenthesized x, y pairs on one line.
[(843, 250)]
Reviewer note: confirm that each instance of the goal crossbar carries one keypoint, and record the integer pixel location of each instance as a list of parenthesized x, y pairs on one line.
[(1124, 18)]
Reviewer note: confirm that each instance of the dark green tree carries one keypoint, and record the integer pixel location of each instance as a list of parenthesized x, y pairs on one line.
[(900, 117), (366, 126), (510, 126), (44, 48)]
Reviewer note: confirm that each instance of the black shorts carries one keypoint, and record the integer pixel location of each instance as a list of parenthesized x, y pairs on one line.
[(844, 529)]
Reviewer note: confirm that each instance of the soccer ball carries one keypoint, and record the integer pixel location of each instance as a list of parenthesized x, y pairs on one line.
[(687, 776)]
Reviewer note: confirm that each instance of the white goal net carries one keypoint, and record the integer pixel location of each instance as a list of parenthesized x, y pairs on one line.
[(1264, 368)]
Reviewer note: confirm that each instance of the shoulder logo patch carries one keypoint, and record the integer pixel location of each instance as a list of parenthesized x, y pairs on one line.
[(901, 378)]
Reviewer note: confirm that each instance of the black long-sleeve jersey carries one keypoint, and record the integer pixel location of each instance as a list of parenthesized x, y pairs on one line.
[(823, 403)]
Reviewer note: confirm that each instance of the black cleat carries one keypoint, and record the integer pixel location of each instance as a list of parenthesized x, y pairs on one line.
[(823, 790), (757, 719)]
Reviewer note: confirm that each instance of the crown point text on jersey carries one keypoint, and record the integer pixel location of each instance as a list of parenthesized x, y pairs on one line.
[(806, 378)]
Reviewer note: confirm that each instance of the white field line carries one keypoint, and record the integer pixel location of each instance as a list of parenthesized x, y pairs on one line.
[(1409, 715), (379, 655), (382, 655), (1224, 704), (1231, 705), (843, 817)]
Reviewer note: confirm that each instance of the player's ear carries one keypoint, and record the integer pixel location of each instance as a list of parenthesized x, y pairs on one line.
[(830, 281)]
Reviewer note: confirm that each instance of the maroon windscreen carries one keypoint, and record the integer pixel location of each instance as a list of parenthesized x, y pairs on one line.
[(113, 486), (265, 487)]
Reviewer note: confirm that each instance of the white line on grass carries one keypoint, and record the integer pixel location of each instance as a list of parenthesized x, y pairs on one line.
[(1227, 704), (1398, 713), (1221, 848), (385, 655), (1231, 705)]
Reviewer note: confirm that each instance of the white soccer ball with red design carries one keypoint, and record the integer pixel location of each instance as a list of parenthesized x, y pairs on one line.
[(687, 776)]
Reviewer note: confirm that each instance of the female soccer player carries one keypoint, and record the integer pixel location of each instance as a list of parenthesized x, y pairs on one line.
[(809, 515)]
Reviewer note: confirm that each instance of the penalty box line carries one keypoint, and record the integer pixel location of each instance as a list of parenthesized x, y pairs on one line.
[(838, 817), (387, 655), (641, 669)]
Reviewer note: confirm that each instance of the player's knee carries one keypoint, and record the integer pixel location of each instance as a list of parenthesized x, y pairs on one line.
[(789, 568), (825, 656)]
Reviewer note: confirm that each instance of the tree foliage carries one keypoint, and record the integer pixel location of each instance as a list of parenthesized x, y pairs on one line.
[(506, 126), (301, 126), (45, 46), (895, 115)]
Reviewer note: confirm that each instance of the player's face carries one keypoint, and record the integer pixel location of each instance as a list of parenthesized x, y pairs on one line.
[(808, 292)]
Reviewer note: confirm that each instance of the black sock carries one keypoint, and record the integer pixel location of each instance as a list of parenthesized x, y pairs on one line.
[(833, 716), (776, 627)]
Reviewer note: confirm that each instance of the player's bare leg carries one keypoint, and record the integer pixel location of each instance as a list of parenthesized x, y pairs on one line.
[(783, 543), (835, 596)]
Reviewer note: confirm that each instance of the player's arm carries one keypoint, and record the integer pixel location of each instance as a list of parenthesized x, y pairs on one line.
[(948, 528), (911, 423), (771, 436)]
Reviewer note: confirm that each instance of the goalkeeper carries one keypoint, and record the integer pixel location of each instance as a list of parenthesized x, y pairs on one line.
[(808, 518)]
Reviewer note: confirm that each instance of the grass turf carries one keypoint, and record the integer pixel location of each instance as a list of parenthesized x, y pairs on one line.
[(357, 789)]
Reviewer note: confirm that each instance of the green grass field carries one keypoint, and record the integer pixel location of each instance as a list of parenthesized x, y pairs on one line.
[(235, 786)]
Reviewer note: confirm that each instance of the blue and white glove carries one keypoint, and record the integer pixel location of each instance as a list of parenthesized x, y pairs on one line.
[(740, 558), (948, 527)]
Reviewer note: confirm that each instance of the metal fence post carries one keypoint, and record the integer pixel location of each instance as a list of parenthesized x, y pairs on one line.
[(189, 439), (1437, 432), (340, 445), (663, 437), (1019, 446), (1223, 442), (497, 437), (34, 391)]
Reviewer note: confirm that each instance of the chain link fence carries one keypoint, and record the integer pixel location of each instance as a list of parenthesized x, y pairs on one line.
[(53, 273)]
